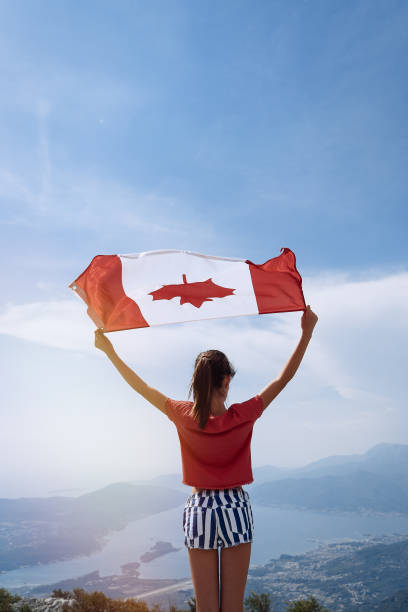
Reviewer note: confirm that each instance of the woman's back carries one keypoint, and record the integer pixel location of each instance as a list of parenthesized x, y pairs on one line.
[(218, 455)]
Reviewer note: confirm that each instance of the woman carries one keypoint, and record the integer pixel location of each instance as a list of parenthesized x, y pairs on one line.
[(216, 461)]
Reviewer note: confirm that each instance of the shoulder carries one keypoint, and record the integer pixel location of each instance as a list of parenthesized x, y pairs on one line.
[(177, 408), (250, 410)]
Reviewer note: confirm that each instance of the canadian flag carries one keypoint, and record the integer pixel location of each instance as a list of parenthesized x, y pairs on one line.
[(159, 287)]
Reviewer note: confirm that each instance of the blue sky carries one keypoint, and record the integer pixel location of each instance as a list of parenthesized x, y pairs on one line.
[(232, 129)]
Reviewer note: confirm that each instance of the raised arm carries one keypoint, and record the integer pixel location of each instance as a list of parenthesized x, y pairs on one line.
[(308, 321), (152, 395)]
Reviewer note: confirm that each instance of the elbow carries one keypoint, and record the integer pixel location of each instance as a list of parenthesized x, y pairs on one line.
[(282, 381)]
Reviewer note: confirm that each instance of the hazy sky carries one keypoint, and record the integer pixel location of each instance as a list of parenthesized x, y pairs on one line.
[(226, 128)]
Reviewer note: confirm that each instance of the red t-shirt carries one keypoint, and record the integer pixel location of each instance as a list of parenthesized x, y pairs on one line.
[(218, 456)]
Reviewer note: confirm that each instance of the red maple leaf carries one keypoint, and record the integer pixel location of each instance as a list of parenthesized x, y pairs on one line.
[(194, 293)]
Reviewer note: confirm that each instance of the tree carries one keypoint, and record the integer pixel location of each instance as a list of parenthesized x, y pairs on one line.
[(258, 603), (305, 605), (62, 594), (6, 599), (97, 601), (192, 604)]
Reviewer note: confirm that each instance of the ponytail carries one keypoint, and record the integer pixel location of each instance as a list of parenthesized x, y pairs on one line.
[(209, 370), (202, 390)]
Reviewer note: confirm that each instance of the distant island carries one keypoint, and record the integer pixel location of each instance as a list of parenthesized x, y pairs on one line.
[(159, 549), (130, 569)]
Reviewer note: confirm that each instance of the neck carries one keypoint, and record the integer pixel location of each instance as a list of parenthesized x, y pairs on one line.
[(217, 405)]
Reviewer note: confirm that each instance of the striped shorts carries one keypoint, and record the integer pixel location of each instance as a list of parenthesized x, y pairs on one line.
[(215, 518)]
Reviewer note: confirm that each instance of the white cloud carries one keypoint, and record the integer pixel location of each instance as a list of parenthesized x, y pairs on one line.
[(60, 324)]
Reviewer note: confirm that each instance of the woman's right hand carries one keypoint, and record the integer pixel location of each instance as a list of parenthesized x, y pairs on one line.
[(309, 320)]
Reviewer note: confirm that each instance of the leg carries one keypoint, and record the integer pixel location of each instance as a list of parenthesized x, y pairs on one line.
[(234, 574), (204, 572)]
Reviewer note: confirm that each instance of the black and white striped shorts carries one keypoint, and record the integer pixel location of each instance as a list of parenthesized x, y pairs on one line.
[(215, 518)]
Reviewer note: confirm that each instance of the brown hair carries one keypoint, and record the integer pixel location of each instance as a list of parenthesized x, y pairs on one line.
[(209, 370)]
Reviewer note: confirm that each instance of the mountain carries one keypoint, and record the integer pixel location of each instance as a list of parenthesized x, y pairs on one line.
[(384, 459), (356, 492), (374, 481)]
